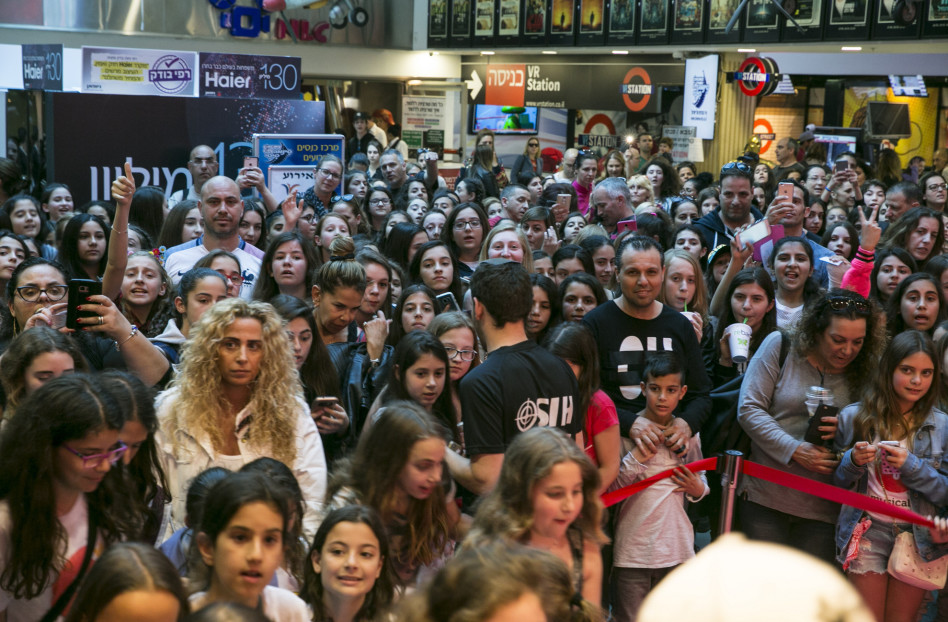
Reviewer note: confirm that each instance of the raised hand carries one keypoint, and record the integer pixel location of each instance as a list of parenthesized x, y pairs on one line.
[(123, 188), (869, 229)]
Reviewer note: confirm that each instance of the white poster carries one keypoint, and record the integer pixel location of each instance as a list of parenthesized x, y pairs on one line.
[(123, 71), (687, 147), (423, 121), (285, 180), (701, 94)]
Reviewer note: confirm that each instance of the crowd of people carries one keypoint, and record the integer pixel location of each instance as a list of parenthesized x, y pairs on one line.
[(384, 398)]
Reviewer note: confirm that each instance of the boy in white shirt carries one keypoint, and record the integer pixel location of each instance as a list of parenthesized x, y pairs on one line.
[(653, 532)]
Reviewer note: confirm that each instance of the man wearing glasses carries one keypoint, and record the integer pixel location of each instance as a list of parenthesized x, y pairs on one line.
[(202, 165), (221, 207)]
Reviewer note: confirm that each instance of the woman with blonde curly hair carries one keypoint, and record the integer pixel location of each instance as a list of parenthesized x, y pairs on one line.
[(236, 398), (547, 497)]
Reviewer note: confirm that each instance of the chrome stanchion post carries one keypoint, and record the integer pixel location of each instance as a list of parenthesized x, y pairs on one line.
[(730, 474)]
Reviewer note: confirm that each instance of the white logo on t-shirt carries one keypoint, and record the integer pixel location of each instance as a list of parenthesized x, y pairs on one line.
[(634, 344), (558, 412)]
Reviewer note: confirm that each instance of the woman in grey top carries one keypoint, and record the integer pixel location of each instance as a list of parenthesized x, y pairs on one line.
[(838, 339)]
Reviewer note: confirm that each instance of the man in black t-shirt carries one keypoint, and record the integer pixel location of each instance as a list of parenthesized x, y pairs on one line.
[(628, 328), (520, 386)]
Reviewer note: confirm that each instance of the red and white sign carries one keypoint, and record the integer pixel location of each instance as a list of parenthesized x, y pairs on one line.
[(505, 85)]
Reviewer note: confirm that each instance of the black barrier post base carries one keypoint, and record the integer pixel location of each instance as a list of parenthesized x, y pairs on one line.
[(729, 465)]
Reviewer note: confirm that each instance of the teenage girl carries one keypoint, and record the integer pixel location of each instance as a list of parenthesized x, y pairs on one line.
[(397, 469), (750, 299), (348, 576), (131, 581), (146, 293), (288, 267), (545, 312), (198, 289), (893, 442), (35, 357), (55, 490), (228, 265), (684, 289), (547, 497), (241, 539), (792, 264), (579, 293), (573, 343), (892, 265), (458, 335), (916, 304), (416, 308), (183, 224)]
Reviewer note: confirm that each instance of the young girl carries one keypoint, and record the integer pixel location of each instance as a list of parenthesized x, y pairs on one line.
[(891, 266), (415, 309), (916, 304), (13, 252), (329, 227), (349, 575), (508, 241), (403, 241), (376, 209), (579, 294), (22, 215), (131, 581), (684, 289), (56, 490), (792, 264), (684, 212), (288, 268), (893, 442), (458, 335), (146, 293), (689, 238), (842, 239), (397, 469), (464, 231), (603, 255), (35, 357), (574, 344), (547, 497), (750, 299), (84, 249), (545, 313), (251, 224), (227, 265), (920, 231), (571, 227), (183, 224), (198, 289), (435, 266), (241, 539)]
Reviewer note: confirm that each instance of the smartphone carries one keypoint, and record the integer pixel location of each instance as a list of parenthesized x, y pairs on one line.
[(813, 434), (833, 260), (251, 161), (841, 165), (79, 290), (564, 199), (755, 233), (785, 189), (447, 302), (627, 225), (324, 400)]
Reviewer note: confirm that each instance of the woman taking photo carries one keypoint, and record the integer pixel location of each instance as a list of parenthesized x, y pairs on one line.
[(837, 343), (237, 398)]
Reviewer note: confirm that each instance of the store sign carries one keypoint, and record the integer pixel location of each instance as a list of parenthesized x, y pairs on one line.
[(701, 94), (757, 76), (125, 71), (591, 86), (285, 180), (43, 67), (603, 141), (246, 76), (423, 122)]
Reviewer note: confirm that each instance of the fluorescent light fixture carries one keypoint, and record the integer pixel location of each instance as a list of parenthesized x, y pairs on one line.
[(486, 53), (746, 50), (548, 52), (851, 48), (414, 82), (620, 51)]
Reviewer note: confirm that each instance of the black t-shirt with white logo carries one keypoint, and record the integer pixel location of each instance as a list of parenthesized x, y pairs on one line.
[(517, 388)]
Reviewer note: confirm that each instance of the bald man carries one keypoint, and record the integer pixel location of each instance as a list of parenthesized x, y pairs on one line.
[(202, 165)]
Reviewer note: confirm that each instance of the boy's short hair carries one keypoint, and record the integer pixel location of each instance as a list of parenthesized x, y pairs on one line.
[(662, 364), (504, 288)]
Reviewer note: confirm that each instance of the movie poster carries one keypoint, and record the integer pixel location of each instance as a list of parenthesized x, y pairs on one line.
[(534, 17), (562, 18), (688, 15), (461, 18), (591, 15)]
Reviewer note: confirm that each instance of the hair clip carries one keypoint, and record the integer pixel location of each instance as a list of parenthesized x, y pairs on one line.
[(345, 257)]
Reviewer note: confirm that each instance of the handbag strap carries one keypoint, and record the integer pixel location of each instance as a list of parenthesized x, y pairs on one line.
[(64, 598)]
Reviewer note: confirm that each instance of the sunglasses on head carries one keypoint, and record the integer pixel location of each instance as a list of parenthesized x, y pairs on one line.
[(841, 303), (740, 167), (344, 197)]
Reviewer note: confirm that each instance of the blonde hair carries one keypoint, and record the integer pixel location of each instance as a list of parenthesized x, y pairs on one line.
[(509, 226), (641, 181), (698, 304), (276, 390)]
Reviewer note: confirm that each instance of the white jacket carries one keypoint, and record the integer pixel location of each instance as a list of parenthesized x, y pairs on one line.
[(195, 454)]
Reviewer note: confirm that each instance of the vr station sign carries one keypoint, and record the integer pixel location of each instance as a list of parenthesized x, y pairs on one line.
[(757, 76)]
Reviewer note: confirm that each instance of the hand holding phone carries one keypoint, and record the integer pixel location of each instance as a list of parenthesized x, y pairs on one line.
[(251, 161), (79, 291)]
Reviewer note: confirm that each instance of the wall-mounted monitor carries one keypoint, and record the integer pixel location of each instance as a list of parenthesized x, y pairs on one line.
[(887, 121), (504, 119)]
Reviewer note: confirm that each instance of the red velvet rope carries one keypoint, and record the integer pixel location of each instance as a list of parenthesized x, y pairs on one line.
[(611, 498)]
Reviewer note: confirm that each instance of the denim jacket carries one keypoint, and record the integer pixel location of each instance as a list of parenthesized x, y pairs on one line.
[(924, 473)]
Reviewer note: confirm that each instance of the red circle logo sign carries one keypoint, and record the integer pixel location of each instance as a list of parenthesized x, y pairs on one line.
[(757, 76), (644, 89)]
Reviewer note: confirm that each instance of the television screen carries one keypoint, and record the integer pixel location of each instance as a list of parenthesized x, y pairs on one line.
[(835, 145), (887, 121), (504, 119)]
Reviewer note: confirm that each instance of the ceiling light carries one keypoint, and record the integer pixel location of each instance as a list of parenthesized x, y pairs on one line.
[(620, 51), (851, 48)]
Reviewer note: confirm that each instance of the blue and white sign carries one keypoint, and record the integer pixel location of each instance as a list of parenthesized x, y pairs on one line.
[(297, 149), (125, 71), (701, 94)]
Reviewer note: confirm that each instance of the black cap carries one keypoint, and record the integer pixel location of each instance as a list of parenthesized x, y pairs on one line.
[(360, 115)]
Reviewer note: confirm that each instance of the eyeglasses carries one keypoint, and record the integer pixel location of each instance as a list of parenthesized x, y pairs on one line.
[(938, 186), (344, 197), (382, 201), (329, 174), (95, 460), (200, 161), (461, 225), (740, 167), (31, 293), (839, 303), (310, 218), (466, 355)]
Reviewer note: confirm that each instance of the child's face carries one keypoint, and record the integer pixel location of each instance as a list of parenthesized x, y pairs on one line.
[(246, 554), (422, 473), (424, 380), (544, 266), (557, 500), (912, 379), (350, 561), (662, 394)]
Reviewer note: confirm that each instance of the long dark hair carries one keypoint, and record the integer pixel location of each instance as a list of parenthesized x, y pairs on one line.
[(148, 210), (396, 331), (27, 466), (8, 324), (573, 342), (895, 321), (414, 269), (757, 276), (318, 374), (380, 597), (127, 567), (266, 287), (410, 348), (170, 234), (69, 247), (150, 492), (811, 288), (398, 243), (21, 353), (549, 287), (881, 255)]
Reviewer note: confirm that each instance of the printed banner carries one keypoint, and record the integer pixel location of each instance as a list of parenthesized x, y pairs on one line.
[(43, 67), (701, 94), (248, 76), (123, 71), (285, 180), (687, 147), (297, 149), (423, 122)]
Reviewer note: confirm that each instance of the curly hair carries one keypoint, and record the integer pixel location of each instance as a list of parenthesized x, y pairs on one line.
[(276, 390), (373, 469), (816, 319), (506, 512), (380, 597)]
